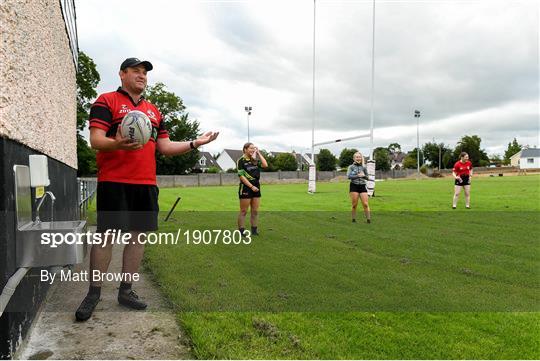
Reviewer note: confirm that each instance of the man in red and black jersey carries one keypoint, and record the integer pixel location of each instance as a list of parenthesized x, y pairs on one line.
[(127, 193), (462, 173)]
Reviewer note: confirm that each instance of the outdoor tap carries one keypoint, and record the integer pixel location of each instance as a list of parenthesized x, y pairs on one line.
[(40, 203)]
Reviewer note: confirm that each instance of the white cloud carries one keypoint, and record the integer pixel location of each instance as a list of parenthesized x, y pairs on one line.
[(470, 66)]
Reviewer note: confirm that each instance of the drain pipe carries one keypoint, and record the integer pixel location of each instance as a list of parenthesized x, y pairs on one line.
[(11, 285)]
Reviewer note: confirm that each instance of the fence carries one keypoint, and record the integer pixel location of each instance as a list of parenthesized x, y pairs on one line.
[(87, 190)]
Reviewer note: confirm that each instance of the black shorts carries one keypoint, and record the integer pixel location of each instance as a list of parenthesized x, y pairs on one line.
[(244, 192), (128, 207), (358, 188), (465, 181)]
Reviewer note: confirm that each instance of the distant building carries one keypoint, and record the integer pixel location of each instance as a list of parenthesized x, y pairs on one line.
[(206, 160), (227, 158), (397, 160), (527, 158), (302, 163), (514, 160)]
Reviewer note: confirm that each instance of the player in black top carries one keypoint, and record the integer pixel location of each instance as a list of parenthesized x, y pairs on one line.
[(249, 191)]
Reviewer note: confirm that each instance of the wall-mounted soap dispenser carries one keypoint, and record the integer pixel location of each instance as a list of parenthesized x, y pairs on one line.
[(39, 171)]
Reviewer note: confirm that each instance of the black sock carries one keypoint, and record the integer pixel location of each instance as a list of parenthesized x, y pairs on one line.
[(94, 291), (253, 230), (125, 287), (241, 231)]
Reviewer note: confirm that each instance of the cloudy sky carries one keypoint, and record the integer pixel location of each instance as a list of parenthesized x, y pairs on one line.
[(471, 67)]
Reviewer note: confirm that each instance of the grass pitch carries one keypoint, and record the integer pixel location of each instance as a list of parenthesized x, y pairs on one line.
[(422, 281)]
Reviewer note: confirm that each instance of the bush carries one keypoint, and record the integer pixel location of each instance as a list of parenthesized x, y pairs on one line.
[(286, 162), (346, 157), (326, 161), (231, 170), (213, 170), (423, 169)]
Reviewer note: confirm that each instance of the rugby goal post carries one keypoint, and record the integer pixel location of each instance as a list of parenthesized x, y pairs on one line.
[(312, 175)]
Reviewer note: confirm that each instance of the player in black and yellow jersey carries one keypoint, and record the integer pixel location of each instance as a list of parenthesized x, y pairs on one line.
[(249, 191)]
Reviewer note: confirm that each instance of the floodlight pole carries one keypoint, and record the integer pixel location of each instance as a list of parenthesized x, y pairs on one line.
[(248, 110), (417, 116)]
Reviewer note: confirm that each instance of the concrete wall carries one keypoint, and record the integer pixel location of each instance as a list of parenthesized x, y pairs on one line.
[(37, 79), (205, 179), (219, 179)]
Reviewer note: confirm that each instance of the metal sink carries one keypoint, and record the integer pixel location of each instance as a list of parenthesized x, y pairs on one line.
[(57, 226), (32, 252)]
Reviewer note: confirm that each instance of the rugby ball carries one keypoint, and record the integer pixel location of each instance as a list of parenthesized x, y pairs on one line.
[(136, 126)]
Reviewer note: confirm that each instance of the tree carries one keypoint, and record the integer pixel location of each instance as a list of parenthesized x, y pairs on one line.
[(394, 148), (496, 160), (86, 158), (410, 160), (179, 126), (448, 159), (346, 157), (326, 160), (513, 148), (169, 104), (87, 80), (271, 160), (382, 158), (471, 145), (286, 162), (431, 153)]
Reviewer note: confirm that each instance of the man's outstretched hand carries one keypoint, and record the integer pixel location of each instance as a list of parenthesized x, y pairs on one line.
[(206, 138)]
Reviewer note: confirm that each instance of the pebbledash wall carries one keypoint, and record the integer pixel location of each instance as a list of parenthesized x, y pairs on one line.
[(38, 57)]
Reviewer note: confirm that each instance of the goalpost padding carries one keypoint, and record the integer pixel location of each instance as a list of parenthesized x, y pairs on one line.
[(371, 177)]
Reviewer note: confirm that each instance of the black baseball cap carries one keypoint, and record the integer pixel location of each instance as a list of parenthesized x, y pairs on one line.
[(131, 62)]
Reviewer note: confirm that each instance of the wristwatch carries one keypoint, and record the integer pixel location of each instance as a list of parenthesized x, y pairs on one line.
[(192, 145)]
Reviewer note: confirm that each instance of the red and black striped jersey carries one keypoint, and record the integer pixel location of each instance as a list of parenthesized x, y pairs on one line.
[(461, 168), (124, 166)]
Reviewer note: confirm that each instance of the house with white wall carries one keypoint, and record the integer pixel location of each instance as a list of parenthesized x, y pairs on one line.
[(206, 160), (227, 158), (514, 160), (529, 158)]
